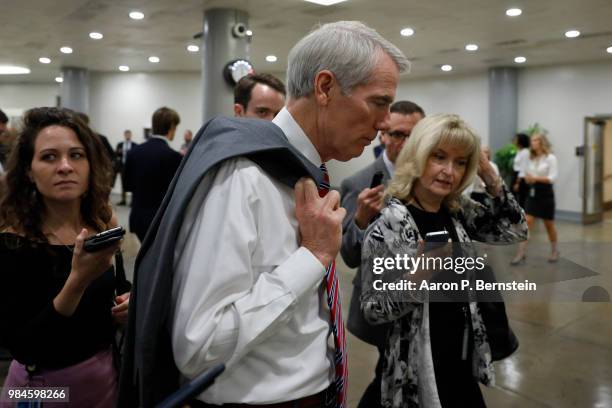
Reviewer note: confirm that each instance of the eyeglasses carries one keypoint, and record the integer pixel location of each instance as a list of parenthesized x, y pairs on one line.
[(398, 135)]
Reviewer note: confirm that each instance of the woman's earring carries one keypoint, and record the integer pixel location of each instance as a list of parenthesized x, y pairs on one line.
[(34, 194)]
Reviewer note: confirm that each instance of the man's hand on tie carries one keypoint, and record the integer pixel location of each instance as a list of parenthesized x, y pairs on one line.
[(319, 219)]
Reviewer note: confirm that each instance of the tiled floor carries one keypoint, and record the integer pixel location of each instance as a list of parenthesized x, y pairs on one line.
[(565, 354)]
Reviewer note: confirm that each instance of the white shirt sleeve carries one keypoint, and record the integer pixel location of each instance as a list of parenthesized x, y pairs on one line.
[(516, 163), (521, 162), (226, 299), (553, 169)]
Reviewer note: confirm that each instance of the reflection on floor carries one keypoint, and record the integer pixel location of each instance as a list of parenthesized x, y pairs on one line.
[(565, 354)]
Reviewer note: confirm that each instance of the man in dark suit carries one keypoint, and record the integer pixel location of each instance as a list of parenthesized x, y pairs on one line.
[(363, 203), (149, 169), (121, 153)]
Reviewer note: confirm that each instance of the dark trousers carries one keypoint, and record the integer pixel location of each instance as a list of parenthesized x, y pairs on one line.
[(123, 190), (371, 397), (523, 190)]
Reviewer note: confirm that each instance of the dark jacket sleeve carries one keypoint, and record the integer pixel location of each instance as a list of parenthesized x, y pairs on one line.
[(122, 285), (352, 236), (128, 172)]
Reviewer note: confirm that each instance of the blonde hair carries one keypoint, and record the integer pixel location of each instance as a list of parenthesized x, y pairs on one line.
[(544, 142), (430, 133)]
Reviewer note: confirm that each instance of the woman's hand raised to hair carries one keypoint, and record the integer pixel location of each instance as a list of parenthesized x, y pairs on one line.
[(488, 174)]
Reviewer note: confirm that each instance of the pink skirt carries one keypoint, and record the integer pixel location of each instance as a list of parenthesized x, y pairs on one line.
[(92, 383)]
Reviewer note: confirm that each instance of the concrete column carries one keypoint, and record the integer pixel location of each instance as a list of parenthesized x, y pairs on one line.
[(220, 46), (503, 106), (74, 91)]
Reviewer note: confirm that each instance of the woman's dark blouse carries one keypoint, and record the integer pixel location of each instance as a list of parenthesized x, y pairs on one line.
[(31, 276), (454, 381)]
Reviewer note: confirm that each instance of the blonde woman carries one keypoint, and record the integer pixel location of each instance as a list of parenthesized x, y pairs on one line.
[(541, 173), (436, 352)]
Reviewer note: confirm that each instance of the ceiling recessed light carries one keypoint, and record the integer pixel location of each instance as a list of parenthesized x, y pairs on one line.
[(124, 68), (572, 33), (66, 50), (96, 36), (136, 15), (471, 47), (271, 58), (446, 68), (44, 60), (407, 32), (193, 48), (59, 80), (154, 59), (249, 33), (514, 12), (13, 70), (609, 50), (325, 2), (520, 60)]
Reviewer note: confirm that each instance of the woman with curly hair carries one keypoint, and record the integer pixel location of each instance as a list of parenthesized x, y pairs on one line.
[(57, 313)]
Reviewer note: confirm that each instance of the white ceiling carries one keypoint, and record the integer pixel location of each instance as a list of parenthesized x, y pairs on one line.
[(30, 29)]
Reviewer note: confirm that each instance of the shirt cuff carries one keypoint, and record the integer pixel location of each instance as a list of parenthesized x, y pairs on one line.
[(301, 272)]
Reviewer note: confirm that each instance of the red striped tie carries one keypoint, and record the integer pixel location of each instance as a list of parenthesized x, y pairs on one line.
[(337, 325)]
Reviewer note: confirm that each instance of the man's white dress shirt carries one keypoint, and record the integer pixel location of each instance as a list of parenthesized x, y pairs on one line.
[(127, 146), (245, 293)]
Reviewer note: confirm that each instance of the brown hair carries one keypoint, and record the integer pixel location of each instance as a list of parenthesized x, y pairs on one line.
[(244, 87), (406, 108), (164, 119), (22, 207)]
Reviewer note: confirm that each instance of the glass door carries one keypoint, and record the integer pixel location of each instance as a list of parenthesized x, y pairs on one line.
[(592, 181)]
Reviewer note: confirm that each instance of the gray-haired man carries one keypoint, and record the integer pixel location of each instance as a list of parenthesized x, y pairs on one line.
[(254, 251)]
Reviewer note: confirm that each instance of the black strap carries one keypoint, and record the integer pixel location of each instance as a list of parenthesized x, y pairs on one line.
[(122, 285)]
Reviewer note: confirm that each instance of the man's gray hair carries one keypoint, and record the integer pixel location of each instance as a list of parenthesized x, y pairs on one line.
[(349, 49)]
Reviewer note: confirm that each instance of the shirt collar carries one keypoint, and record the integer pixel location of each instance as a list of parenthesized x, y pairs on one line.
[(296, 136), (388, 164), (164, 138)]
